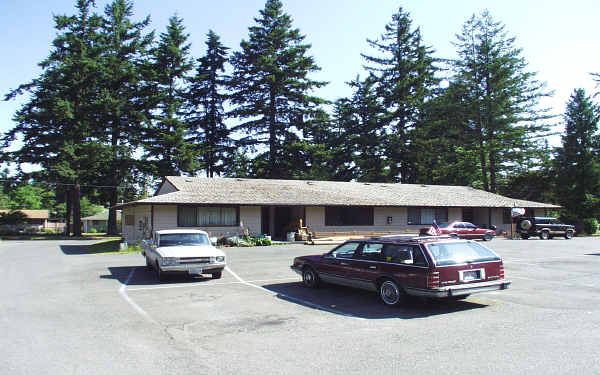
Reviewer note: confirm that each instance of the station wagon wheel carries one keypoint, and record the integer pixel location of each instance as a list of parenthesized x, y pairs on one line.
[(569, 234), (544, 235), (310, 277), (390, 293)]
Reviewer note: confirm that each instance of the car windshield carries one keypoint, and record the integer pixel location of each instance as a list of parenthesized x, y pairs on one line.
[(460, 252), (444, 225), (184, 239)]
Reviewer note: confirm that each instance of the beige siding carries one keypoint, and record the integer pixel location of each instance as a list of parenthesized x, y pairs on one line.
[(250, 216), (165, 217), (141, 227), (315, 219), (166, 188)]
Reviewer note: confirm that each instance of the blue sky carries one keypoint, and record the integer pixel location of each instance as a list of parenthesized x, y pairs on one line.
[(559, 38)]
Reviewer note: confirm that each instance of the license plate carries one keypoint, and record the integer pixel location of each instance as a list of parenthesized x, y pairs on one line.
[(471, 275), (195, 271)]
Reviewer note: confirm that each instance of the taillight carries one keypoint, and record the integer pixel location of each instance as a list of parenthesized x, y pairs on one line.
[(501, 271), (433, 280)]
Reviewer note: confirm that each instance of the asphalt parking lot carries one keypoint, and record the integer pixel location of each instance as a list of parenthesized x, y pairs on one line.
[(65, 311)]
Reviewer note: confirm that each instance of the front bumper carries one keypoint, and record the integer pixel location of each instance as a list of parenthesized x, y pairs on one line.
[(459, 290), (206, 267)]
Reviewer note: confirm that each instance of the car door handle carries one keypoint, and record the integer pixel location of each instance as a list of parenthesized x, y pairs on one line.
[(373, 267)]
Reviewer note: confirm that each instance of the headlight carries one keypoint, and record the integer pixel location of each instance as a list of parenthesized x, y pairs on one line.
[(169, 261), (220, 259)]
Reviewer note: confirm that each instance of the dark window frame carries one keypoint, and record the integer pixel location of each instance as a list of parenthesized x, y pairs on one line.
[(438, 218), (196, 207), (333, 215)]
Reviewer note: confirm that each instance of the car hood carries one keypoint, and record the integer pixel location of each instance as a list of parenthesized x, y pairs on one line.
[(190, 251)]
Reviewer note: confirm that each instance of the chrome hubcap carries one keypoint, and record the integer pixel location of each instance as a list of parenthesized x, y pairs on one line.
[(389, 293), (309, 278)]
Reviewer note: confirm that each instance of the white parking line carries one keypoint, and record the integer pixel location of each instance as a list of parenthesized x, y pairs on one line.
[(293, 299), (204, 284), (136, 307)]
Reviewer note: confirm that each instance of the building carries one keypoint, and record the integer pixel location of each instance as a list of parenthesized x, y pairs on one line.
[(34, 219), (97, 222), (225, 206)]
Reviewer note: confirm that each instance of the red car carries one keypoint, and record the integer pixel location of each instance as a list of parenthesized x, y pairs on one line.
[(400, 266), (463, 229)]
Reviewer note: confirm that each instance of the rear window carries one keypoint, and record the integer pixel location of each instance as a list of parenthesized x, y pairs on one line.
[(460, 252)]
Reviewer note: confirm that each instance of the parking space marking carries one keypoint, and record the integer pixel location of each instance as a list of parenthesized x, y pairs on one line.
[(290, 298), (136, 307), (204, 284)]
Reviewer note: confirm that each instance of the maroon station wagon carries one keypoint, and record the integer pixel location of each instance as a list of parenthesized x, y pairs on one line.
[(401, 266)]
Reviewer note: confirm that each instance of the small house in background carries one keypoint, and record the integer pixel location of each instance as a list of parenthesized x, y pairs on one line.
[(34, 219), (97, 223)]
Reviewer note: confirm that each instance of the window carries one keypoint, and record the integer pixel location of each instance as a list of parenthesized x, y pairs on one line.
[(340, 216), (372, 251), (194, 216), (346, 250), (398, 253), (426, 215)]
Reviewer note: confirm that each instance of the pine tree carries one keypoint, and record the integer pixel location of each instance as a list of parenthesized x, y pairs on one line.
[(364, 132), (578, 161), (57, 123), (165, 144), (123, 105), (206, 97), (499, 101), (271, 87), (404, 74)]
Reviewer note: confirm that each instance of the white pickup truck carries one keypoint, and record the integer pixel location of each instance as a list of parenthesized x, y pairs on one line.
[(184, 251)]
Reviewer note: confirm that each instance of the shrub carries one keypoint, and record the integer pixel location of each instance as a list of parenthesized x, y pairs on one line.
[(93, 230), (590, 225)]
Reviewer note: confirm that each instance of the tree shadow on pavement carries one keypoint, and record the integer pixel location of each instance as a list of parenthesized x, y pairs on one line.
[(92, 248), (141, 275), (363, 304)]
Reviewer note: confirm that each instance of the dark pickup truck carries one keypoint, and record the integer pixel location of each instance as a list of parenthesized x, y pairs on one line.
[(544, 227)]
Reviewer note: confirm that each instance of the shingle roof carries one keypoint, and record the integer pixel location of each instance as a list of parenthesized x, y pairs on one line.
[(101, 216), (241, 191), (31, 214)]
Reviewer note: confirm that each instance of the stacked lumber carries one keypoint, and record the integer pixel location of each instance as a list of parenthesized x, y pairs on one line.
[(336, 238)]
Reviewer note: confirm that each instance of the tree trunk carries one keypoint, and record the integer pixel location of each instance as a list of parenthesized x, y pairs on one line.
[(69, 211), (77, 209), (112, 228)]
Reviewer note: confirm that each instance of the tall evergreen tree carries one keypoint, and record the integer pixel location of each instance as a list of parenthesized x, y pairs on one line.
[(56, 124), (206, 96), (123, 104), (404, 74), (578, 161), (500, 99), (271, 86), (364, 130), (165, 143)]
